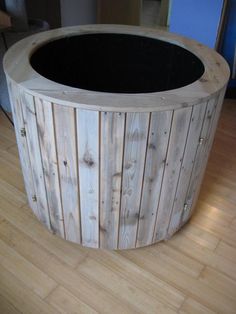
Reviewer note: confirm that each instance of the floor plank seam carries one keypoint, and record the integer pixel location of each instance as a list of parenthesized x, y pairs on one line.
[(124, 278), (81, 261), (133, 283), (20, 312), (215, 250), (51, 292), (201, 272), (205, 254), (182, 303)]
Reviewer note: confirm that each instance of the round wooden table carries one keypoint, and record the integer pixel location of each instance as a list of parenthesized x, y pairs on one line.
[(114, 126)]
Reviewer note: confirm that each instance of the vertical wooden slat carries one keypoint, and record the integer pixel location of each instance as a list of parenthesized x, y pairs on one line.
[(187, 165), (179, 131), (88, 152), (112, 137), (136, 135), (14, 95), (65, 127), (29, 116), (46, 129), (210, 125), (154, 167), (200, 156)]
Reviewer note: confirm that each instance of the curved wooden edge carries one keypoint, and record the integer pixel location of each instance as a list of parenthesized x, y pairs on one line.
[(214, 78), (144, 196)]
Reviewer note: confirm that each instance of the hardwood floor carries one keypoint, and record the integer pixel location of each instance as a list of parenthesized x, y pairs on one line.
[(194, 272)]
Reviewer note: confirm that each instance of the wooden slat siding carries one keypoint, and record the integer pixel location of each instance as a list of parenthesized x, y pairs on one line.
[(65, 131), (29, 117), (44, 115), (187, 165), (112, 137), (22, 146), (88, 156), (199, 160), (209, 143), (179, 131), (136, 135), (154, 167)]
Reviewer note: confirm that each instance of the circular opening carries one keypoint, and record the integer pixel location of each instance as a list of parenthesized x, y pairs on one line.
[(118, 63)]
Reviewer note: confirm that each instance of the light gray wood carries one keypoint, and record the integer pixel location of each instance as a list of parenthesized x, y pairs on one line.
[(112, 141), (14, 94), (207, 149), (88, 156), (29, 116), (215, 76), (200, 158), (154, 168), (66, 141), (50, 163), (117, 170), (193, 141), (136, 134), (179, 131)]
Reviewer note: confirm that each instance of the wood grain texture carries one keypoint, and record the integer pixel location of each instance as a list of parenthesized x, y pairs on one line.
[(88, 157), (45, 122), (116, 180), (112, 142), (14, 95), (194, 272), (33, 278), (160, 126), (214, 78), (66, 141), (136, 135), (176, 146), (199, 162), (65, 302), (7, 306), (211, 135), (193, 140), (29, 116), (18, 294), (112, 170)]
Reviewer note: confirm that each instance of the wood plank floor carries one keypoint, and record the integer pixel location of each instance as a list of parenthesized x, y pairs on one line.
[(194, 272)]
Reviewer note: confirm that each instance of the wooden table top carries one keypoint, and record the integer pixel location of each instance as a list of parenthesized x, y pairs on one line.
[(18, 69)]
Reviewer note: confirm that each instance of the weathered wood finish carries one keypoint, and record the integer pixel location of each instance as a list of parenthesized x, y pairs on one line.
[(136, 134), (46, 134), (178, 135), (200, 158), (159, 132), (210, 124), (112, 143), (115, 177), (28, 110), (65, 129), (88, 157), (22, 146), (114, 180), (193, 140), (192, 273)]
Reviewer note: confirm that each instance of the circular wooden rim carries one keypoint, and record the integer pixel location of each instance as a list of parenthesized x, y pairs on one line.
[(18, 69)]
